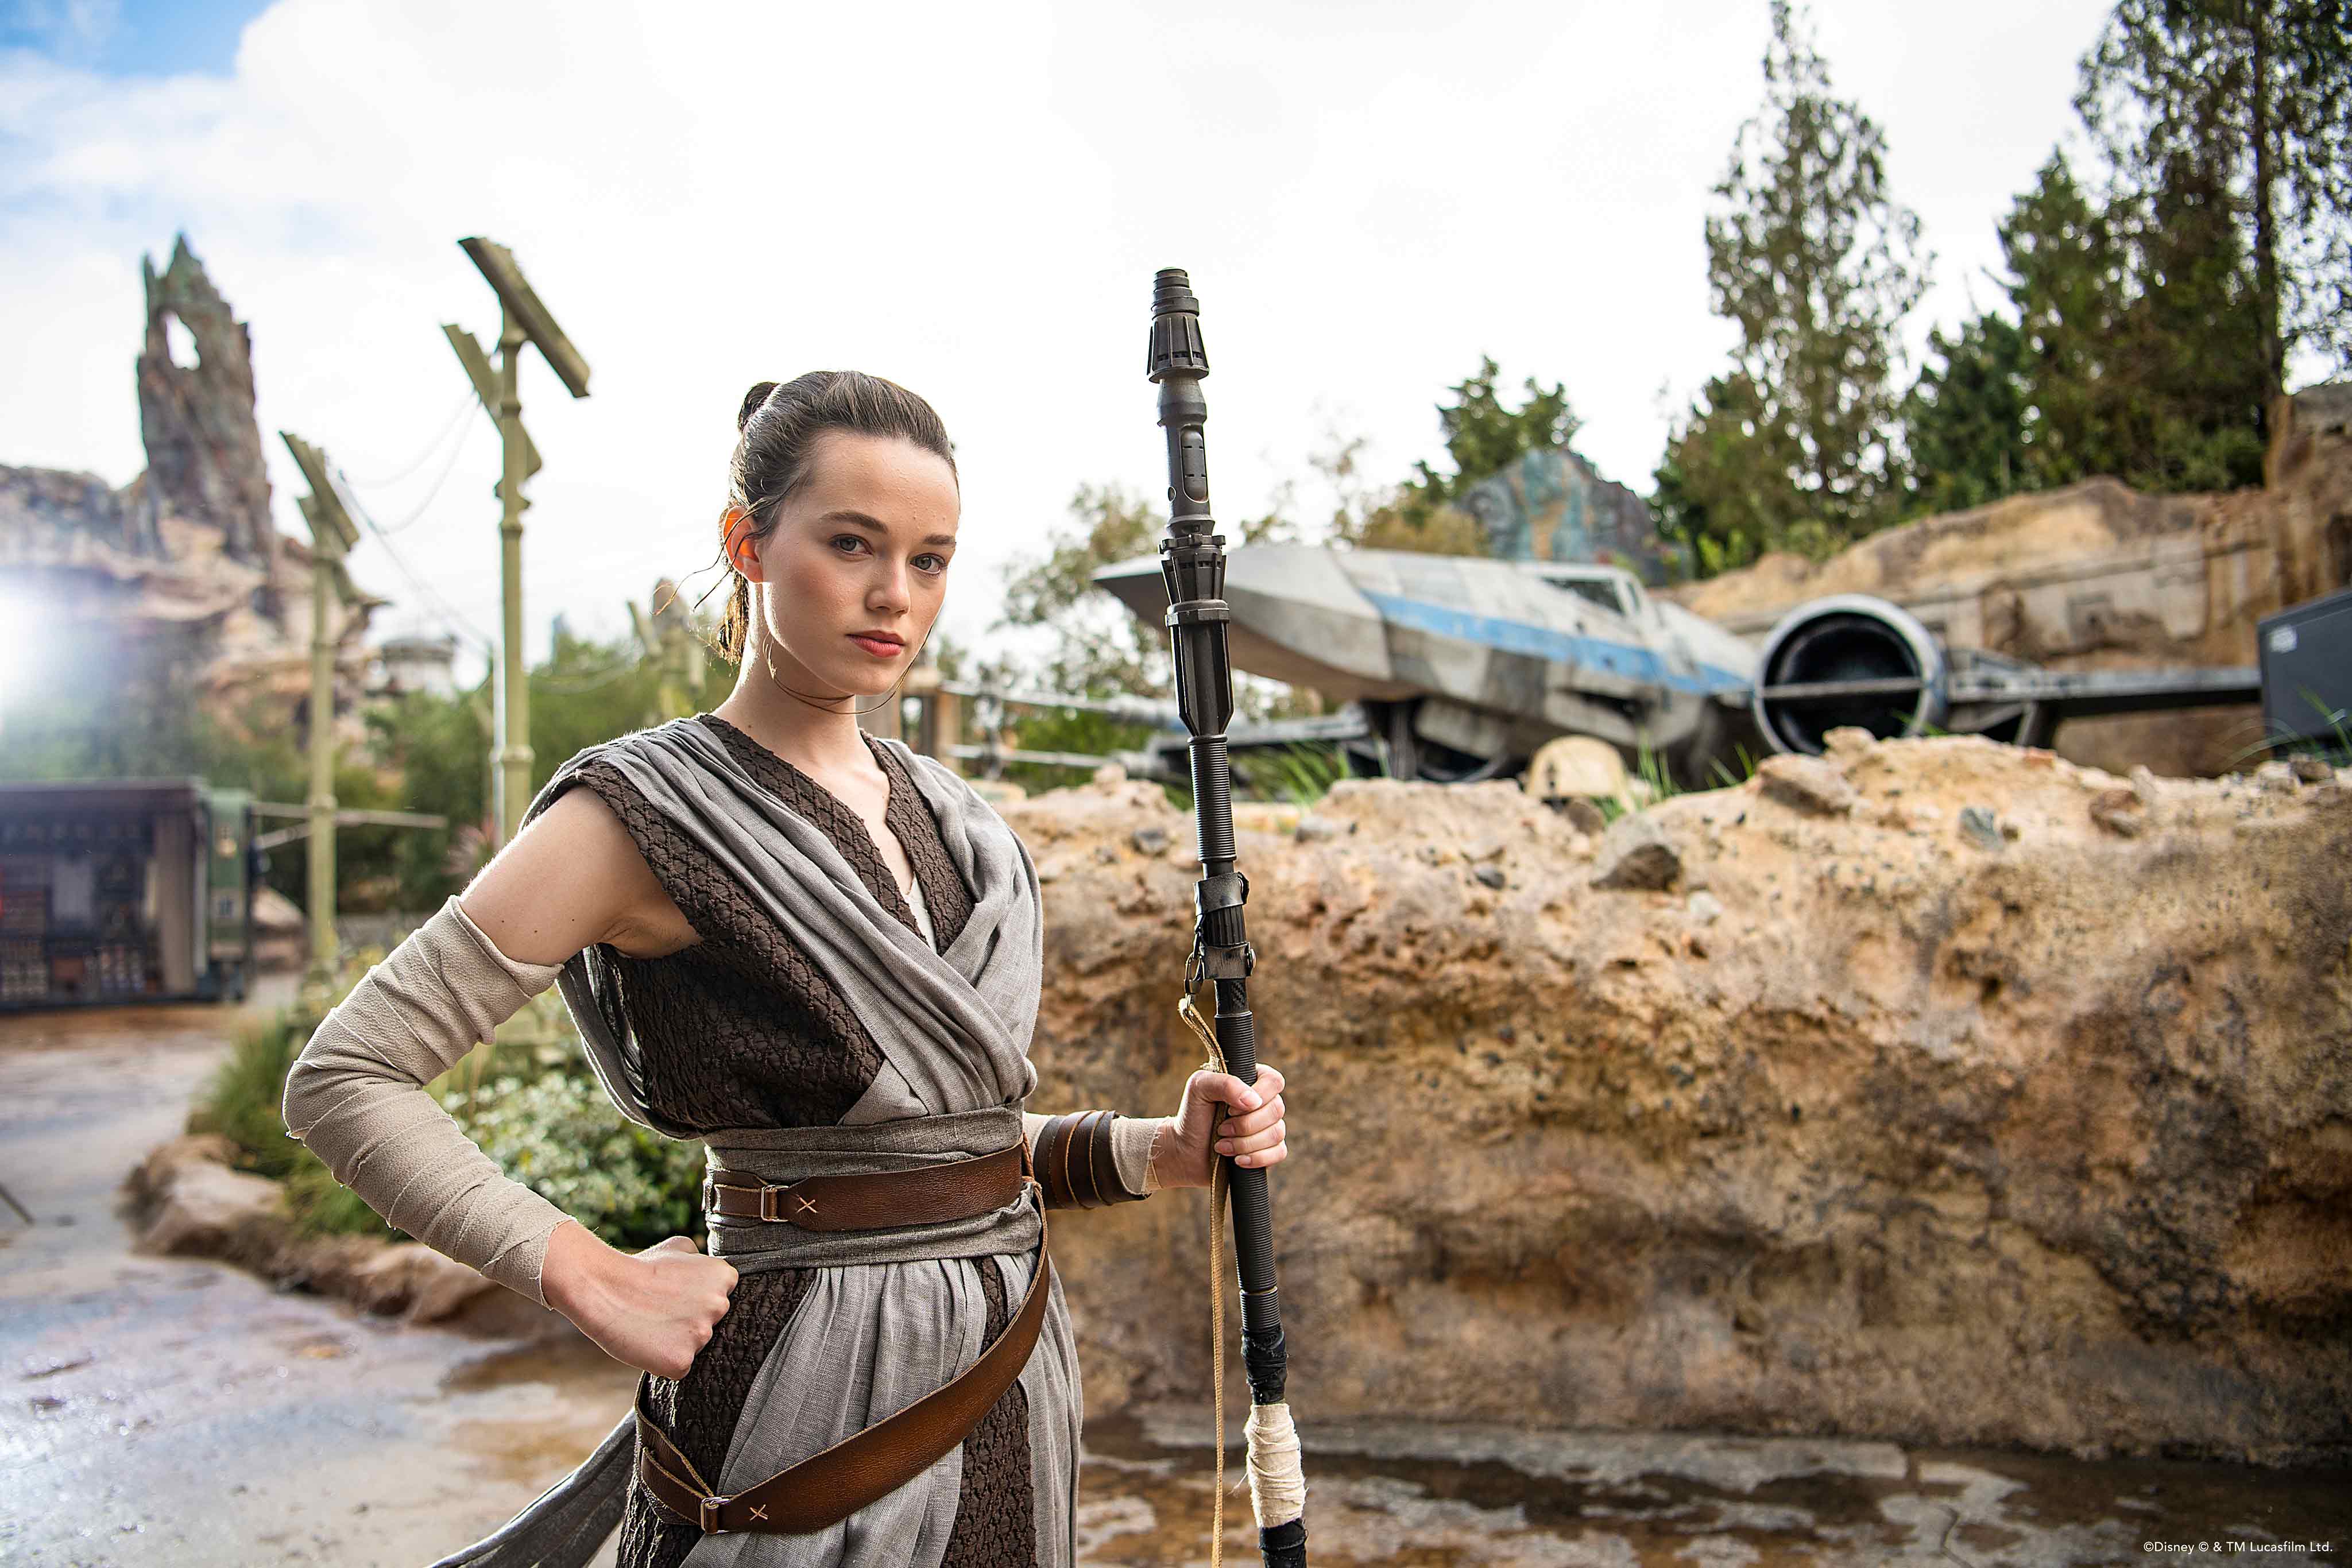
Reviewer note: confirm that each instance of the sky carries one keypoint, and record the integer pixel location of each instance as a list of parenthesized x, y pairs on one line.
[(970, 200)]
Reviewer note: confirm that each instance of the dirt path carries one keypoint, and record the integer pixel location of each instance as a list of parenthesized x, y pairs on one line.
[(168, 1412), (173, 1412)]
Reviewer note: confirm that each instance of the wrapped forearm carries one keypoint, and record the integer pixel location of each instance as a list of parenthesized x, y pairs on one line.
[(356, 1096), (1092, 1158)]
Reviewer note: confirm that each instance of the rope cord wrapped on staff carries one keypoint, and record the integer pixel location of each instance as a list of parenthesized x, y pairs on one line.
[(1192, 563)]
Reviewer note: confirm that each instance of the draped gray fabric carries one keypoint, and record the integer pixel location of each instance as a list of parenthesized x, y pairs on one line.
[(894, 1313)]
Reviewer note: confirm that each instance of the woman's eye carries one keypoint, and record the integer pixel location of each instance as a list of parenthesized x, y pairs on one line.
[(940, 561)]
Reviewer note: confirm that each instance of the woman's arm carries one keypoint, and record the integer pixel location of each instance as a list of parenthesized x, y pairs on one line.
[(572, 879), (1152, 1152), (356, 1094)]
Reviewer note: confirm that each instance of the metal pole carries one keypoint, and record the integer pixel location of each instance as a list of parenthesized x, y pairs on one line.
[(514, 735), (322, 847)]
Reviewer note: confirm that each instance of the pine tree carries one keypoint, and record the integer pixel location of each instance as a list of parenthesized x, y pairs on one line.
[(1817, 264), (2193, 352), (2250, 102), (1964, 420), (2137, 352), (2069, 272)]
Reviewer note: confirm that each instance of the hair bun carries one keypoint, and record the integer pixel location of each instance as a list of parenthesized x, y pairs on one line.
[(751, 402)]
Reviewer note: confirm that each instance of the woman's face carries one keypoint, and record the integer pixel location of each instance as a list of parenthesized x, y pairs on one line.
[(863, 547)]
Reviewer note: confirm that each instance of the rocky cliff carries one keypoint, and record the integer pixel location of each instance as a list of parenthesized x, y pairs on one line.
[(1932, 1090), (179, 578)]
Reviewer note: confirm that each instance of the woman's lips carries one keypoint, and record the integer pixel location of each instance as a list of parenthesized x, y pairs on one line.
[(879, 649)]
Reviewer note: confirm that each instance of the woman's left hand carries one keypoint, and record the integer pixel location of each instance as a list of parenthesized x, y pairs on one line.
[(1221, 1115)]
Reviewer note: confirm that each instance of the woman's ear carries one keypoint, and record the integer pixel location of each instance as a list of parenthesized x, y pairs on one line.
[(742, 549)]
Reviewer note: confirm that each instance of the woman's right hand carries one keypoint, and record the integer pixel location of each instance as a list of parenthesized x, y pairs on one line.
[(653, 1310)]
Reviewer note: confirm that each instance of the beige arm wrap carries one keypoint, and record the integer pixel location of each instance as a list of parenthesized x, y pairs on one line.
[(356, 1097), (1131, 1138)]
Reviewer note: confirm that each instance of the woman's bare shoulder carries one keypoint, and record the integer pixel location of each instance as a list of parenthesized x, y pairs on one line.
[(572, 878)]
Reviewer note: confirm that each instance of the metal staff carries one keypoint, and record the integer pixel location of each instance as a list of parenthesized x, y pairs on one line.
[(1192, 562)]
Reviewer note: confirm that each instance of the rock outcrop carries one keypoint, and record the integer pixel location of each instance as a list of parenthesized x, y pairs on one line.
[(2099, 577), (179, 579), (204, 447), (191, 1202), (2004, 1101)]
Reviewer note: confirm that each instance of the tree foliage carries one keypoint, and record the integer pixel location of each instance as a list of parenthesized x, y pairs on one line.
[(2242, 107), (2137, 352), (1083, 642), (1816, 265), (1965, 418), (1097, 649), (2159, 301), (1483, 438)]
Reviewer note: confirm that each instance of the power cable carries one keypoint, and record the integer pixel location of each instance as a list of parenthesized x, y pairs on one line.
[(440, 479), (437, 606), (423, 457)]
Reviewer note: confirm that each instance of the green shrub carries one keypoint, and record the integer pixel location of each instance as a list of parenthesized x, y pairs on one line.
[(1303, 775), (561, 1136), (542, 1117), (245, 1098)]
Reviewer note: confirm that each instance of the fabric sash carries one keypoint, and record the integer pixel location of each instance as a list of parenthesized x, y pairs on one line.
[(893, 1314)]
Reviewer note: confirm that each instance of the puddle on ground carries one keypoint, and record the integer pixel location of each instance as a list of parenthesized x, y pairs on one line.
[(532, 1412), (1393, 1493)]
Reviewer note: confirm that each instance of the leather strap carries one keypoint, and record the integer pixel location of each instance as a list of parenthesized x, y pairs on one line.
[(828, 1487), (878, 1461), (927, 1195)]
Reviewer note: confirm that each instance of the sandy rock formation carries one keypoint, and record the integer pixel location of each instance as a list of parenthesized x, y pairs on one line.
[(2035, 1130), (2096, 576)]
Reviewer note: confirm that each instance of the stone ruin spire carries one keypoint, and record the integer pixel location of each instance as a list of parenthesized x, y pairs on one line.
[(204, 445)]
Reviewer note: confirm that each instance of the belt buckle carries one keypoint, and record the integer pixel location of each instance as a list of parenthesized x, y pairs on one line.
[(709, 1515), (771, 1204)]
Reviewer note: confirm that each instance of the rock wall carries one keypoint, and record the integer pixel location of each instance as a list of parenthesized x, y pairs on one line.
[(2098, 577), (1935, 1091)]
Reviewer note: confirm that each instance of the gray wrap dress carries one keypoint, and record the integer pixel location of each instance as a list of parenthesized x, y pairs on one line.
[(742, 1030)]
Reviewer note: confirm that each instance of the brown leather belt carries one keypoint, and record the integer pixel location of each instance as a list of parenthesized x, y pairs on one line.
[(928, 1195), (828, 1487)]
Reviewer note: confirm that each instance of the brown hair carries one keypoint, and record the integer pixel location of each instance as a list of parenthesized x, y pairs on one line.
[(773, 457)]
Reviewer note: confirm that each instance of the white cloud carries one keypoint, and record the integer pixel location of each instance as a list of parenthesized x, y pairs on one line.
[(969, 199)]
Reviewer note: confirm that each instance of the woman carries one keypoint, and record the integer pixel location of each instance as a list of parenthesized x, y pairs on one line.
[(821, 953)]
